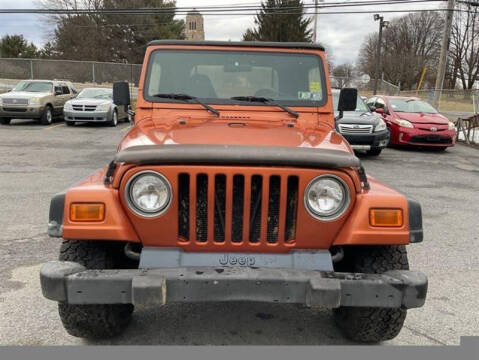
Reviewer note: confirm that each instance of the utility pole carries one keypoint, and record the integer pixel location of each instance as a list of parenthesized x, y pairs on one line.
[(315, 21), (441, 71), (382, 24)]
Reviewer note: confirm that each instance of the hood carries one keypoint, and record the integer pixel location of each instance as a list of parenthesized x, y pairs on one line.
[(423, 118), (228, 133), (358, 117), (24, 95), (86, 101)]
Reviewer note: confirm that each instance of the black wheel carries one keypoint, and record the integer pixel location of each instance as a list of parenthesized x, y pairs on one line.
[(5, 121), (69, 123), (369, 324), (93, 321), (47, 116), (374, 151), (114, 118)]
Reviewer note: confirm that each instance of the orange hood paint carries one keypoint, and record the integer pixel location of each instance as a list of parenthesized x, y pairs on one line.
[(234, 131)]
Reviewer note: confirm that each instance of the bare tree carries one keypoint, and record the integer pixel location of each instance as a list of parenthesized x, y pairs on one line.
[(410, 43), (464, 48), (102, 37), (343, 75)]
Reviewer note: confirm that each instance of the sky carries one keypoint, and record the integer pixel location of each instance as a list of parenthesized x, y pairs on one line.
[(342, 35)]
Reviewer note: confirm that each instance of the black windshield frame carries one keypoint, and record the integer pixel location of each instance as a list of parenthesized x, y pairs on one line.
[(219, 101)]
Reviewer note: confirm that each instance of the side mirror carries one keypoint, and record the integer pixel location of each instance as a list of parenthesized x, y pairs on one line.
[(380, 111), (348, 99), (121, 93)]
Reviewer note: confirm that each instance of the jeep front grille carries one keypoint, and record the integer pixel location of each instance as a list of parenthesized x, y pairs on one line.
[(219, 208)]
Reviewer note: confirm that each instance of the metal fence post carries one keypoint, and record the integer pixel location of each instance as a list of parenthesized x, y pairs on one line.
[(93, 71), (31, 69)]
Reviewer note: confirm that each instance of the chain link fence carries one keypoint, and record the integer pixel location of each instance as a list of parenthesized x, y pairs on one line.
[(81, 73), (365, 85)]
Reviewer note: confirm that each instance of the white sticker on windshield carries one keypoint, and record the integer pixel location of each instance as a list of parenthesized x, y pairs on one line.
[(308, 95)]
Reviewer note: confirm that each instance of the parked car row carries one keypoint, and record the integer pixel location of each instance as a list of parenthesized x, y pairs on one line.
[(45, 100), (381, 120), (377, 122)]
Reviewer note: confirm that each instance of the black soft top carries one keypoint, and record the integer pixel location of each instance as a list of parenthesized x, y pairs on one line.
[(289, 45)]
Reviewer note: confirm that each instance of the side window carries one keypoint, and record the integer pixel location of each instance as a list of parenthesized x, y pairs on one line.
[(58, 89), (371, 101), (66, 90)]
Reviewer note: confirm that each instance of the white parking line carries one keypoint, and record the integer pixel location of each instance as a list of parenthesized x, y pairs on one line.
[(53, 126)]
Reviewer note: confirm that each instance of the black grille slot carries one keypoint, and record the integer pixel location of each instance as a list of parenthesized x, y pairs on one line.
[(238, 206), (220, 207), (255, 208), (273, 208), (291, 209), (184, 206), (202, 208)]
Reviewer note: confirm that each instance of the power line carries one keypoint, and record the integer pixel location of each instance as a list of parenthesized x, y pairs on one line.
[(210, 10)]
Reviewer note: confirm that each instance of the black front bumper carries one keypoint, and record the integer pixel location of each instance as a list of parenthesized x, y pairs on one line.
[(374, 140), (70, 282)]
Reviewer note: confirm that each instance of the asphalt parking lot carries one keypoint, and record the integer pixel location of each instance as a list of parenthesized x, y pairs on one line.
[(37, 161)]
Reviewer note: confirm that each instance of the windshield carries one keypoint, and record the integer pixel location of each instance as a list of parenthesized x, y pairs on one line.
[(34, 86), (95, 94), (217, 76), (360, 105), (411, 106)]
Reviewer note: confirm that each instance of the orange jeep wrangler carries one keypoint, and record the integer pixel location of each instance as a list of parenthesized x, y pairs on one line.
[(233, 185)]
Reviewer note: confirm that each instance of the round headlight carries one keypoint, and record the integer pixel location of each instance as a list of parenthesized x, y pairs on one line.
[(326, 197), (148, 193)]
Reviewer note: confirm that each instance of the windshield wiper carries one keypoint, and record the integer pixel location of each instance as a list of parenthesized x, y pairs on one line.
[(185, 98), (266, 101)]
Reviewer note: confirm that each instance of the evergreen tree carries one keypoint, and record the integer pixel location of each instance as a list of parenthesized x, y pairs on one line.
[(16, 46), (280, 20)]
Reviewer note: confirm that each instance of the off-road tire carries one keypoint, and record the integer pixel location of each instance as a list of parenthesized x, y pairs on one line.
[(47, 118), (5, 121), (369, 324), (374, 151), (93, 321)]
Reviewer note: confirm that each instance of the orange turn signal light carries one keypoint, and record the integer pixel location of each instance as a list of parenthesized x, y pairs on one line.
[(87, 212), (386, 217)]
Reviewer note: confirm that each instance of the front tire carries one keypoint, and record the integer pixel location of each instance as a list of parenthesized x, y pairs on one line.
[(374, 151), (372, 324), (47, 116), (114, 119), (5, 121), (93, 321)]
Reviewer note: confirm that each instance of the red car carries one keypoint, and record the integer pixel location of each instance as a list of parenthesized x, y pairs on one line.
[(412, 121)]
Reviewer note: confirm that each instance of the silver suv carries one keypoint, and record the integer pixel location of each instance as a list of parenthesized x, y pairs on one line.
[(36, 99)]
